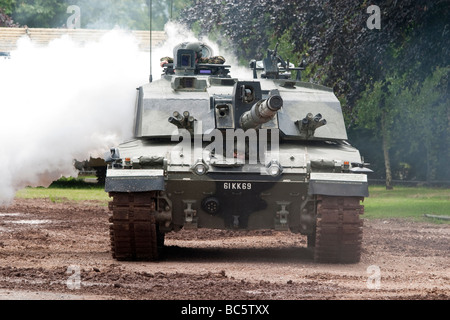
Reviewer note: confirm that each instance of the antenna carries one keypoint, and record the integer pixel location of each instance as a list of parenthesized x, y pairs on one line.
[(150, 9)]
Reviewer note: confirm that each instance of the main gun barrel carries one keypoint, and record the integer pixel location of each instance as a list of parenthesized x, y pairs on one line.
[(262, 111)]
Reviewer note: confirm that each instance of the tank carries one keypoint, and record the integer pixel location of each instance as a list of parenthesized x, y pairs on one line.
[(214, 151)]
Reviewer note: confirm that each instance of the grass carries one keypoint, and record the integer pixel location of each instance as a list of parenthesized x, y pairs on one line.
[(64, 194), (406, 202), (67, 189), (401, 202)]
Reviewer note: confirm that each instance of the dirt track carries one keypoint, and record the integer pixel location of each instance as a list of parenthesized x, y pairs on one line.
[(61, 251)]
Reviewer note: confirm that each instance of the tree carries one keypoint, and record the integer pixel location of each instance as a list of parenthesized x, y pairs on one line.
[(380, 108), (430, 122), (7, 6), (106, 14), (413, 119), (40, 13), (5, 20), (343, 52)]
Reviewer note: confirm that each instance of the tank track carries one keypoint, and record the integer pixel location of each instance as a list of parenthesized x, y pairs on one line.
[(339, 229), (133, 229)]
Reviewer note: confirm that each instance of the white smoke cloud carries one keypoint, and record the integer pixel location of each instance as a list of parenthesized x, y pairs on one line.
[(62, 102), (68, 101)]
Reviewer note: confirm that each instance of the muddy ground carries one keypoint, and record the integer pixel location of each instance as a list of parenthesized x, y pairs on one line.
[(60, 251)]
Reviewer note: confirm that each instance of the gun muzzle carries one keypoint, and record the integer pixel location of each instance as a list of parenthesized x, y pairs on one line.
[(262, 112)]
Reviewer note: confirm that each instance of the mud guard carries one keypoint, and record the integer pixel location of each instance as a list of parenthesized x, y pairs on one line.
[(338, 184), (129, 180)]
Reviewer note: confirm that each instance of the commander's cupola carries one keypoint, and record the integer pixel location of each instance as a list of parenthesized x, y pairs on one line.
[(194, 58)]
